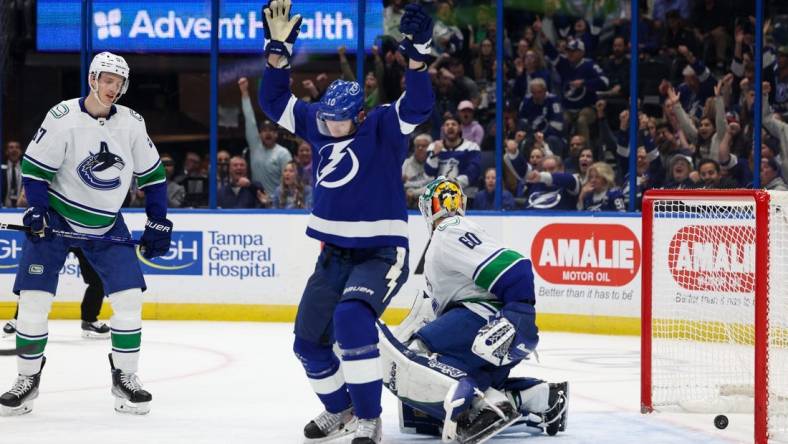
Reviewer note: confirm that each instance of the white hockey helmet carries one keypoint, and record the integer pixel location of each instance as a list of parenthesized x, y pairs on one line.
[(443, 197), (109, 62)]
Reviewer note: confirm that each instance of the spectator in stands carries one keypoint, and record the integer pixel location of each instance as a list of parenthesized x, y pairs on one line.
[(772, 176), (616, 68), (471, 129), (711, 18), (576, 145), (680, 174), (541, 112), (265, 157), (304, 162), (780, 102), (446, 36), (222, 168), (485, 198), (581, 78), (194, 182), (484, 62), (535, 157), (698, 84), (413, 174), (643, 180), (175, 192), (291, 192), (12, 173), (662, 9), (677, 34), (550, 189), (453, 156), (242, 192), (710, 174), (527, 69), (448, 95), (392, 15), (457, 69), (600, 193), (372, 81)]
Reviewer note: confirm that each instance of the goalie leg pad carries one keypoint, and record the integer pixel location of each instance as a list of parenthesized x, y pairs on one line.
[(529, 395), (421, 313)]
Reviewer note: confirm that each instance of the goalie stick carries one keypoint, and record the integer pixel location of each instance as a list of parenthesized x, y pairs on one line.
[(74, 235), (420, 265), (18, 351)]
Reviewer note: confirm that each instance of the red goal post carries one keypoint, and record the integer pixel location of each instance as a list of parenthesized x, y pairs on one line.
[(714, 304)]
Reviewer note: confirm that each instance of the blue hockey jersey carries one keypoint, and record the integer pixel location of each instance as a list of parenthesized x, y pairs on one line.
[(358, 197)]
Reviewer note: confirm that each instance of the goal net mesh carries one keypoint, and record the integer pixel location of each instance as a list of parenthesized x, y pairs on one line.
[(703, 306)]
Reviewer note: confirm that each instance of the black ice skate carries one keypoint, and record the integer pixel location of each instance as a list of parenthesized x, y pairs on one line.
[(328, 426), (95, 330), (19, 400), (9, 328), (489, 422), (129, 395), (555, 416), (369, 431)]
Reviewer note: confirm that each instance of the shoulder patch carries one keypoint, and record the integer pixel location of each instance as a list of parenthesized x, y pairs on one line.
[(448, 223), (59, 110), (135, 114)]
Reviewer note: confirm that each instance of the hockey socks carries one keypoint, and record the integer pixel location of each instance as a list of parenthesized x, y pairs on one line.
[(357, 337), (322, 370), (31, 328), (126, 329)]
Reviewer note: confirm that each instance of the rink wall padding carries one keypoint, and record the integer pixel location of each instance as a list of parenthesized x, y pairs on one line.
[(253, 265)]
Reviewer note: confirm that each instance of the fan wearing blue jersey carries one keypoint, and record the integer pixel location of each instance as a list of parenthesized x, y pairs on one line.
[(359, 214)]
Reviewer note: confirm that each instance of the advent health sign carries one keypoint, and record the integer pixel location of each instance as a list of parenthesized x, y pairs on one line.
[(164, 26)]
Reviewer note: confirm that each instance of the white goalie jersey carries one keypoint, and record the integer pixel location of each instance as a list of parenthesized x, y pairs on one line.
[(463, 264), (89, 163)]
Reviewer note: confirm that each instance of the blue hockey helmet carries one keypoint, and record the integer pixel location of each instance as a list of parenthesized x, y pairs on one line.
[(343, 100)]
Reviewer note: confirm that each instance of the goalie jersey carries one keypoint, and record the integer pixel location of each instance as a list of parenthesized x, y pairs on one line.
[(89, 163), (465, 265)]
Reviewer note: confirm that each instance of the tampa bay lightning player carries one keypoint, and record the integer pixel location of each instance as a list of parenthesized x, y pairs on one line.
[(360, 215)]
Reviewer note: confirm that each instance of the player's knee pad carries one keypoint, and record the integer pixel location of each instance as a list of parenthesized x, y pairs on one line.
[(34, 305), (127, 304), (354, 325)]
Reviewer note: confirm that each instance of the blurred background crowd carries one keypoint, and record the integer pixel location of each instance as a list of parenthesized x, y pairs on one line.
[(565, 113)]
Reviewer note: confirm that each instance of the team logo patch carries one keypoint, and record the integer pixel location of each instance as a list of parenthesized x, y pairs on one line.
[(100, 171), (338, 165), (135, 114), (35, 269), (59, 110)]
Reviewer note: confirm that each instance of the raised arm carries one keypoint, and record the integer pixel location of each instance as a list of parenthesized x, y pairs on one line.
[(253, 140)]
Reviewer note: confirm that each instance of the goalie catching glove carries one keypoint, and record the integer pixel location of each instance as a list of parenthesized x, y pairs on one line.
[(280, 30), (499, 343), (416, 26)]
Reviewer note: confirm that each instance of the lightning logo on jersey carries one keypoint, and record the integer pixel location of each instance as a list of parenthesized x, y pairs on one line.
[(338, 152), (100, 164)]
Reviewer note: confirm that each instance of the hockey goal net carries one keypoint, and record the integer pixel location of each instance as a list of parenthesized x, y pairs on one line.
[(715, 305)]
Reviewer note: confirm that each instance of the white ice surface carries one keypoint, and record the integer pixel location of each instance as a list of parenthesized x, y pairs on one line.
[(217, 382)]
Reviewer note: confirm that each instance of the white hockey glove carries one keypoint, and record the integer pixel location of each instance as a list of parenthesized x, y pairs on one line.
[(280, 29), (494, 343)]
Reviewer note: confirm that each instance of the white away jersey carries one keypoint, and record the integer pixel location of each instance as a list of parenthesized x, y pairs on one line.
[(463, 263), (89, 163)]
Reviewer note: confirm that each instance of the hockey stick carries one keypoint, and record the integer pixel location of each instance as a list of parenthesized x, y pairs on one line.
[(18, 351), (420, 265), (74, 235)]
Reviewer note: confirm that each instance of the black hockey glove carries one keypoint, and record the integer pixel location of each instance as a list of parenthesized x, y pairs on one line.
[(155, 240), (416, 25)]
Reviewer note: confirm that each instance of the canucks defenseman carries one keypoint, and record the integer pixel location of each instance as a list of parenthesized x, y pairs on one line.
[(76, 172), (477, 323), (359, 213)]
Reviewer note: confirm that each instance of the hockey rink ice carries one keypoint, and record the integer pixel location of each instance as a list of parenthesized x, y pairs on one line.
[(228, 382)]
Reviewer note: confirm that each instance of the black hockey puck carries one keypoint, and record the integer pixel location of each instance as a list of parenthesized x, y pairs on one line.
[(721, 422)]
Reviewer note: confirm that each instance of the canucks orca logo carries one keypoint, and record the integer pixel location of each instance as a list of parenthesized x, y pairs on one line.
[(96, 167)]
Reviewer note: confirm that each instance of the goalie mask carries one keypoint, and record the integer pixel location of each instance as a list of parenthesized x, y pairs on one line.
[(443, 197), (108, 62)]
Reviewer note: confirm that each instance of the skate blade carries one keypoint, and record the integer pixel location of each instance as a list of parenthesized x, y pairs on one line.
[(489, 432), (131, 408), (23, 409), (93, 335), (348, 429)]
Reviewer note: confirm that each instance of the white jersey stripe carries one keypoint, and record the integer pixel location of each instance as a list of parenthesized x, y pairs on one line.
[(385, 227), (82, 206)]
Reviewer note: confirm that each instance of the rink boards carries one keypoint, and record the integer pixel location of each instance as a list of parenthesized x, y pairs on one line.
[(252, 265)]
